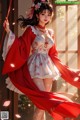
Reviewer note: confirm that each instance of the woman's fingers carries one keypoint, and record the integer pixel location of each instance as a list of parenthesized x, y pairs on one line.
[(6, 25)]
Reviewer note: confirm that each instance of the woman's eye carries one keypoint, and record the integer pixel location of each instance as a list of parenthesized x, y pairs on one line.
[(49, 15), (43, 14)]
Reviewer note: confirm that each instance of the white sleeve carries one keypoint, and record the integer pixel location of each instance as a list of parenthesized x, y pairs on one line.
[(8, 41)]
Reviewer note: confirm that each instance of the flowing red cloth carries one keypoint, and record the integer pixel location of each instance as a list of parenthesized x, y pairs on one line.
[(16, 67)]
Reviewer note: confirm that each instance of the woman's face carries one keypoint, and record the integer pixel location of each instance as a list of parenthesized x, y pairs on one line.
[(44, 17)]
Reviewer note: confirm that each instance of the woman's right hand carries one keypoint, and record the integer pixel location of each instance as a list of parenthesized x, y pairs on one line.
[(6, 26)]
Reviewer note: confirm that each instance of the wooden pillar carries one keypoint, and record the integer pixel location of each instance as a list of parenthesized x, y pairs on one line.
[(79, 36), (79, 46), (6, 94), (12, 95), (3, 90)]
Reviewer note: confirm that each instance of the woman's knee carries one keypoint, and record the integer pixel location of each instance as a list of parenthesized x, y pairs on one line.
[(48, 84), (48, 87)]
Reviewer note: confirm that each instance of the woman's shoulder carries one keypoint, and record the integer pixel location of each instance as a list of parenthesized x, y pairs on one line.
[(32, 29), (51, 31)]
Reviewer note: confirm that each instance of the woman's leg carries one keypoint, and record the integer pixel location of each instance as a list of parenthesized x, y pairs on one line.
[(48, 84), (38, 114), (48, 87), (39, 83)]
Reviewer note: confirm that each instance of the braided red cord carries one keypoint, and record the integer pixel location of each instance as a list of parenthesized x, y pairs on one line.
[(1, 42)]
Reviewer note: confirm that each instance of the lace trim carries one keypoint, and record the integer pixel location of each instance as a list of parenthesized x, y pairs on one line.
[(10, 86), (33, 29), (36, 32)]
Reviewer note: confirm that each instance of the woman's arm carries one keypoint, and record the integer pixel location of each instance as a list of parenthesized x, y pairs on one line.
[(24, 40), (19, 51), (8, 41)]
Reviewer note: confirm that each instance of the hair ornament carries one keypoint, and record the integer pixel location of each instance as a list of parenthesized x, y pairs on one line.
[(37, 6), (30, 12)]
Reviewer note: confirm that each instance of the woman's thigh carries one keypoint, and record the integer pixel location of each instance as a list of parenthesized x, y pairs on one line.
[(48, 84), (39, 83)]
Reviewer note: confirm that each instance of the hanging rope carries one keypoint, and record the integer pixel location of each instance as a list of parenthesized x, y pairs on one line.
[(8, 13)]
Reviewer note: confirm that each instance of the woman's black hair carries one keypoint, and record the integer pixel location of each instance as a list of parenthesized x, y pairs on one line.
[(34, 21)]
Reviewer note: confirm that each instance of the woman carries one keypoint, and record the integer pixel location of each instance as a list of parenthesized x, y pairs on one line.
[(32, 64)]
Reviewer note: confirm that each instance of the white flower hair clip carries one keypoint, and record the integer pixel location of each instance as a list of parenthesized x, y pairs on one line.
[(37, 6)]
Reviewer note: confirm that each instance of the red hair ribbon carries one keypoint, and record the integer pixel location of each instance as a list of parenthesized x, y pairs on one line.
[(6, 19)]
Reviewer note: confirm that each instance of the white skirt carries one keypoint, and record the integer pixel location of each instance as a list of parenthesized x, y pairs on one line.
[(41, 66)]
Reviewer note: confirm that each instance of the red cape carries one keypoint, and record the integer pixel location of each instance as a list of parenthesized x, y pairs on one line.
[(16, 67)]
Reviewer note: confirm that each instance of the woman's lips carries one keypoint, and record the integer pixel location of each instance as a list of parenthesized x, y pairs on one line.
[(45, 20)]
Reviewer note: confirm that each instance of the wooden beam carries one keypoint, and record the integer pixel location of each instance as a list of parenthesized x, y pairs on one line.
[(78, 36), (12, 95)]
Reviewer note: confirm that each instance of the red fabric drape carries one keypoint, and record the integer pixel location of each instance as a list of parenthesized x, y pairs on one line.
[(16, 67)]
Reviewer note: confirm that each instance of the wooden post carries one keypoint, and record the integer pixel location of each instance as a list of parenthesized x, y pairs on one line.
[(12, 95)]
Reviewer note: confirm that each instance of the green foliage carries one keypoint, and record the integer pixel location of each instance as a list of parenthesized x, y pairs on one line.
[(25, 103)]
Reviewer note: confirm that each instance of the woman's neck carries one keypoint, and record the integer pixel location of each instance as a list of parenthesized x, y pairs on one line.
[(41, 26)]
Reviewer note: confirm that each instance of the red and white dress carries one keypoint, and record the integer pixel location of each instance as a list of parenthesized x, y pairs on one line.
[(39, 63), (19, 63)]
